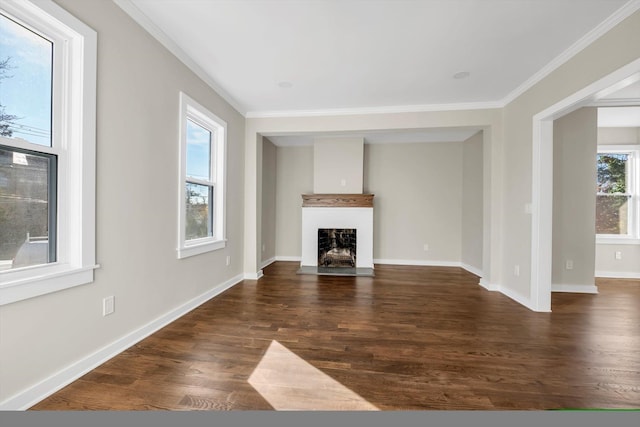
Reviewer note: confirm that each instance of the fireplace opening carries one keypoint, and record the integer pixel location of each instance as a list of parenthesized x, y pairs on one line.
[(337, 247)]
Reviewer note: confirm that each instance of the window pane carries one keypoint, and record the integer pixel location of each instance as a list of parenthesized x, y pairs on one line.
[(27, 208), (198, 152), (612, 214), (25, 83), (612, 173), (199, 200)]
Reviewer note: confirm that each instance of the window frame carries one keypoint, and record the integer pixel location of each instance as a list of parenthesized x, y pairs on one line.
[(191, 110), (633, 189), (73, 142)]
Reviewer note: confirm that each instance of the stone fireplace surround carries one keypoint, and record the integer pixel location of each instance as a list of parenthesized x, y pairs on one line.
[(341, 211)]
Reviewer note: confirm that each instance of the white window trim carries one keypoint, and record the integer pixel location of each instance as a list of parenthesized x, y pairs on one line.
[(633, 238), (74, 140), (192, 110)]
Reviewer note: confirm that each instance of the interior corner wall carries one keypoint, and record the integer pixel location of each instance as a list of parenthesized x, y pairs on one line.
[(294, 177), (574, 200), (606, 263), (472, 241), (418, 201), (269, 168), (137, 211)]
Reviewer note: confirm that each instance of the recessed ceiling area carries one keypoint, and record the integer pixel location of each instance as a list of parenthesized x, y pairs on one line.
[(381, 137), (274, 56)]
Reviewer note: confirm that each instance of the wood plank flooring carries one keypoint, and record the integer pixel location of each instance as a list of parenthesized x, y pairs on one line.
[(411, 338)]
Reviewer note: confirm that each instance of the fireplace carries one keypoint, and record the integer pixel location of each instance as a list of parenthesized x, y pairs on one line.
[(337, 247), (337, 234)]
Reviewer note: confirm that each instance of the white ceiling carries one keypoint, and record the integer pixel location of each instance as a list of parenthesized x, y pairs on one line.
[(367, 55)]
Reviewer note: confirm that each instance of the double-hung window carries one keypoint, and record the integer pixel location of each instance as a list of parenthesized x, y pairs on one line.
[(618, 194), (201, 225), (47, 150)]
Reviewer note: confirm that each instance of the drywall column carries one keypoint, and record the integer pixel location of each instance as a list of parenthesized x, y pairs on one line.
[(268, 210), (338, 165), (574, 201), (252, 200), (471, 245)]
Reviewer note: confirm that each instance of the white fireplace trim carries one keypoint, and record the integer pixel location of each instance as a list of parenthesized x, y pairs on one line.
[(314, 218)]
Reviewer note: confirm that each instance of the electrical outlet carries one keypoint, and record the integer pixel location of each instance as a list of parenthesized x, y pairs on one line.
[(569, 264), (426, 247), (108, 305), (228, 259), (264, 247), (516, 270), (343, 182), (618, 254)]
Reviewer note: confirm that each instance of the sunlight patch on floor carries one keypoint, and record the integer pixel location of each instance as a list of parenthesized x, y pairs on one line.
[(287, 382)]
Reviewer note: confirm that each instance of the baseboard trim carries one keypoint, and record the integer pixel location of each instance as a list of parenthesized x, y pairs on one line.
[(288, 258), (489, 286), (617, 275), (471, 269), (424, 263), (253, 276), (268, 262), (519, 298), (34, 394), (579, 289)]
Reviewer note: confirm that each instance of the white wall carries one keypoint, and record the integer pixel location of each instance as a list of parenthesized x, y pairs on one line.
[(606, 263), (137, 195), (471, 232), (574, 200), (337, 165), (269, 168)]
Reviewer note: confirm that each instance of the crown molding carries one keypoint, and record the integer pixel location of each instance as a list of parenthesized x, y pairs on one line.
[(618, 16), (615, 102), (143, 20), (375, 110)]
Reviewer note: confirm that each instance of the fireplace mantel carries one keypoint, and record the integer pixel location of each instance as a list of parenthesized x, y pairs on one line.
[(337, 200)]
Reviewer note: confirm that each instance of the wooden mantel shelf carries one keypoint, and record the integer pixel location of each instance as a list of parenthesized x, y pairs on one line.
[(337, 200)]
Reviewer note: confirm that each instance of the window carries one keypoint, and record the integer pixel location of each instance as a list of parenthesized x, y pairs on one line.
[(47, 150), (617, 194), (201, 225)]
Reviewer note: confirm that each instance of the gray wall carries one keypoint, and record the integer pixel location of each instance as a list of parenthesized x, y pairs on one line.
[(472, 203), (269, 168), (418, 200), (337, 165), (294, 178), (574, 200), (604, 56), (137, 198), (606, 262)]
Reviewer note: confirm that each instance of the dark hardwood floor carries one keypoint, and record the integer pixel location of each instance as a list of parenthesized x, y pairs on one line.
[(416, 338)]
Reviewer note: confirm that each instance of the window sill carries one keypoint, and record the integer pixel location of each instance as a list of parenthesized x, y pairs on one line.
[(49, 280), (617, 241), (200, 248)]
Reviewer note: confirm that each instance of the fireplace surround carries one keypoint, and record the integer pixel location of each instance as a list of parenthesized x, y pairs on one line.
[(338, 212)]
